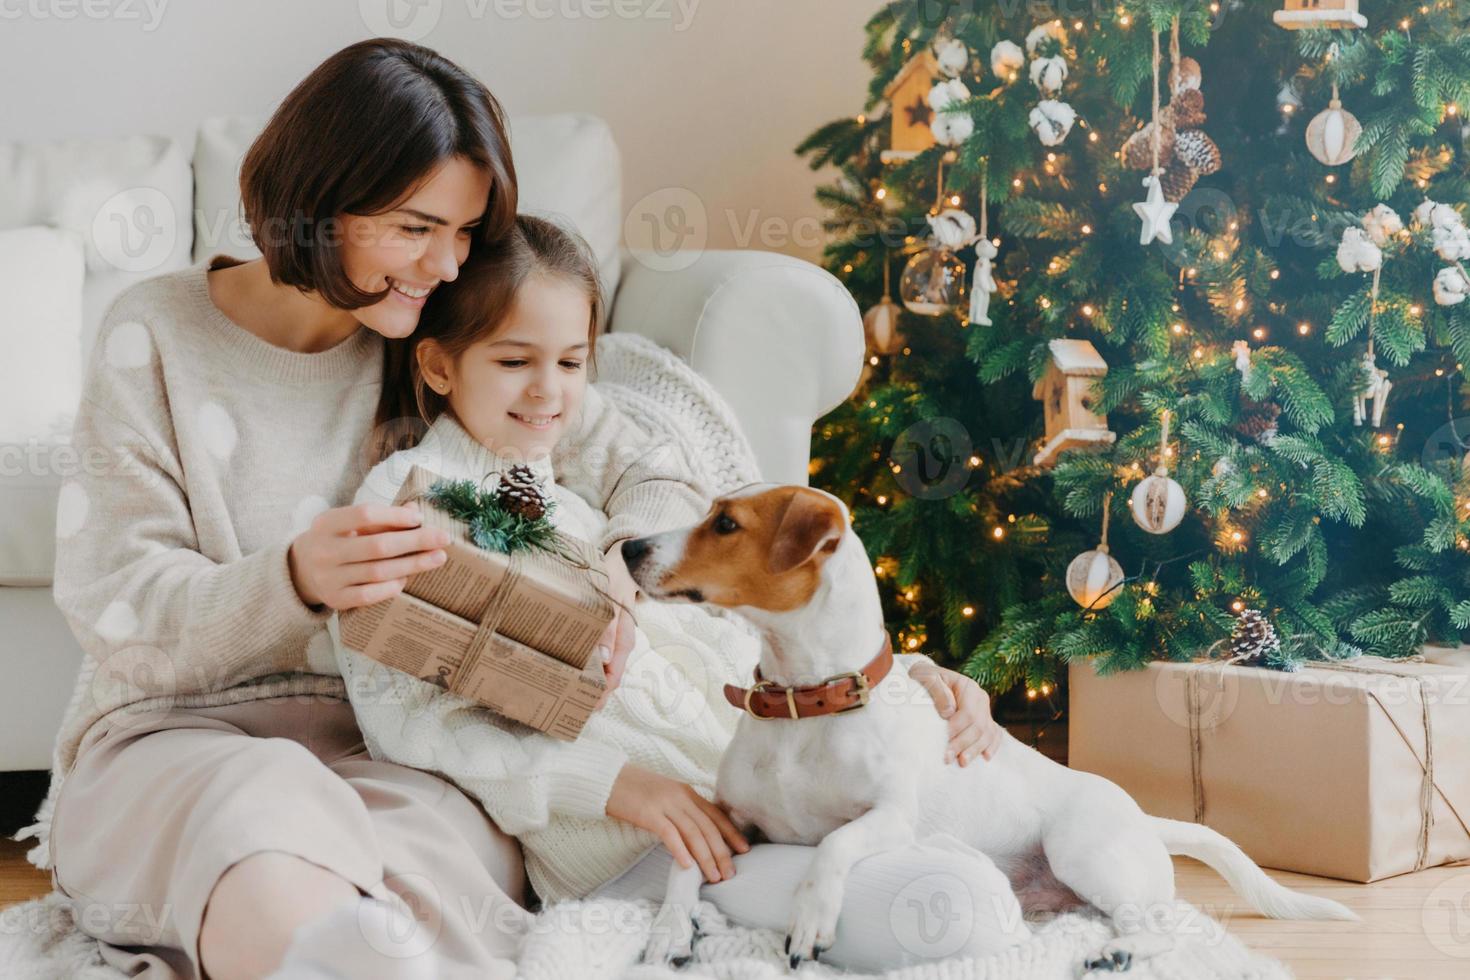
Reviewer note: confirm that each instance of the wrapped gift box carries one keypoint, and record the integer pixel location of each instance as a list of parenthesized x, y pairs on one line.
[(1357, 769), (515, 632)]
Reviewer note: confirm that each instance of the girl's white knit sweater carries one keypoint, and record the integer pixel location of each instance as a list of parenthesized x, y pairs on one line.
[(668, 714)]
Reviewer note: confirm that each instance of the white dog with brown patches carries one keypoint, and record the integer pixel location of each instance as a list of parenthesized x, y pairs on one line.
[(839, 749)]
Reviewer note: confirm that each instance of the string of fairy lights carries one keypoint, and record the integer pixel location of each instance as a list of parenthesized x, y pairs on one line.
[(1229, 535)]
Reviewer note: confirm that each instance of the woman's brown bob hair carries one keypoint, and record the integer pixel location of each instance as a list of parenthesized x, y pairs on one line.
[(473, 308), (357, 136)]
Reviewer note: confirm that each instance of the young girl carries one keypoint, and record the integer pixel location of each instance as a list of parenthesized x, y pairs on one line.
[(499, 368)]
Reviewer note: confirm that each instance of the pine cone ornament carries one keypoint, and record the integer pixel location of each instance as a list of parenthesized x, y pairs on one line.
[(1195, 148), (1177, 180), (521, 494), (1254, 639), (1259, 420)]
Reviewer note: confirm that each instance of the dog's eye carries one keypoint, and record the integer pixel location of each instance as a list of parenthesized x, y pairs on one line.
[(724, 524)]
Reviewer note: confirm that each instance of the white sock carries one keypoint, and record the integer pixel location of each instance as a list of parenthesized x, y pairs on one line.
[(366, 939)]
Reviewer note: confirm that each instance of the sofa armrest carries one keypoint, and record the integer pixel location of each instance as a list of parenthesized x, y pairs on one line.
[(779, 338)]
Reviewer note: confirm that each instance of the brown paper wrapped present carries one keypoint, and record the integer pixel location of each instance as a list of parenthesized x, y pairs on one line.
[(515, 631), (1354, 769)]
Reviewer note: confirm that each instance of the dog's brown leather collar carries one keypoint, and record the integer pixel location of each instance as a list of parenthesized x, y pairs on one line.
[(838, 693)]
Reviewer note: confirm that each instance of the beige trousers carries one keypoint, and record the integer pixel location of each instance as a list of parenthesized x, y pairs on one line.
[(158, 807)]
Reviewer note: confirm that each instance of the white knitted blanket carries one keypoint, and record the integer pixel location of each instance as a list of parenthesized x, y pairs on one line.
[(602, 940)]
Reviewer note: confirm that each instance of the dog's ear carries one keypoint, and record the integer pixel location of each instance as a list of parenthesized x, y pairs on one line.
[(810, 525)]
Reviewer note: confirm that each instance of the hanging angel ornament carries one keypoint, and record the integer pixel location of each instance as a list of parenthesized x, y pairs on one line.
[(982, 280)]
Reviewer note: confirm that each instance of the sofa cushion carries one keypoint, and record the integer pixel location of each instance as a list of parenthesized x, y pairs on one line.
[(129, 200), (567, 166), (41, 271)]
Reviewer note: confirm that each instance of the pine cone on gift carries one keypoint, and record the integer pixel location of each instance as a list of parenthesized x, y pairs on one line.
[(521, 494), (1254, 639)]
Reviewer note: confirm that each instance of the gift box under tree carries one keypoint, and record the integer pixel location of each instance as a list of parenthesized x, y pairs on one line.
[(1356, 769), (510, 619)]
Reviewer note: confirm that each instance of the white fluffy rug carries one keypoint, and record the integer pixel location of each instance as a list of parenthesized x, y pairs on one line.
[(602, 940)]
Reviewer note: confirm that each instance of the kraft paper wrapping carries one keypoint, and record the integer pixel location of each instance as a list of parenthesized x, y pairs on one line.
[(1355, 769), (513, 632)]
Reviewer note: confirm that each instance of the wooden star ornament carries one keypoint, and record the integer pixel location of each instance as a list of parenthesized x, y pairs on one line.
[(1155, 213)]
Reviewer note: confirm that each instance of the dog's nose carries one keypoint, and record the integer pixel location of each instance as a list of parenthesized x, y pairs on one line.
[(633, 550)]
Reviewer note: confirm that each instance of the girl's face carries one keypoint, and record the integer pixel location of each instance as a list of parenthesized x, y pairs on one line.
[(516, 390), (415, 247)]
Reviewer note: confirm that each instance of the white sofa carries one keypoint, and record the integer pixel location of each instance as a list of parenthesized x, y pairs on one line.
[(779, 338)]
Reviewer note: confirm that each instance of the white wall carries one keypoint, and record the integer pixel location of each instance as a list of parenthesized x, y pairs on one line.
[(708, 97)]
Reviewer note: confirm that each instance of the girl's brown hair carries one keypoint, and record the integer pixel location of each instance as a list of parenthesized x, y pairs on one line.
[(471, 309), (357, 136)]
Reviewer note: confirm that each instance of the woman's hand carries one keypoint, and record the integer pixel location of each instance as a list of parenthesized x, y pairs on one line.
[(691, 827), (359, 555), (966, 706), (617, 640)]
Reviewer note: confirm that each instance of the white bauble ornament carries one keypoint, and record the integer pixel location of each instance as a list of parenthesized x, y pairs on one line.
[(1006, 60), (933, 282), (952, 228), (880, 326), (1052, 121), (1332, 135), (1158, 503), (1357, 253), (952, 55), (1048, 74), (1450, 286), (1092, 578), (1381, 224)]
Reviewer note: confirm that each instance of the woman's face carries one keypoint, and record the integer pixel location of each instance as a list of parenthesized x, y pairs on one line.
[(516, 390), (416, 246)]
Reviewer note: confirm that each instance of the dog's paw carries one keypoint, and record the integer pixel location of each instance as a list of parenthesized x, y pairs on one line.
[(813, 927), (671, 938)]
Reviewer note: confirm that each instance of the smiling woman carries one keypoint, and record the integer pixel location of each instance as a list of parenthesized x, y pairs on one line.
[(203, 564)]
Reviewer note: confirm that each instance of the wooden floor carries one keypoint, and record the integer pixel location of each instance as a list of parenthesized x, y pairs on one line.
[(1415, 927)]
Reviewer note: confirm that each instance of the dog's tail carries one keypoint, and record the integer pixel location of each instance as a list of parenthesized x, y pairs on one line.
[(1241, 873)]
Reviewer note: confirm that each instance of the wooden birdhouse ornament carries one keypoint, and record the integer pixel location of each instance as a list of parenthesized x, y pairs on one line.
[(1065, 391), (909, 112), (1301, 14)]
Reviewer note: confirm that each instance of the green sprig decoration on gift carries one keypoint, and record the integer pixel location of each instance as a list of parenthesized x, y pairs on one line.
[(513, 515)]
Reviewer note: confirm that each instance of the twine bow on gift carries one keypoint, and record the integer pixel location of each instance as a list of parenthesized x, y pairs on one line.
[(552, 547), (1365, 664)]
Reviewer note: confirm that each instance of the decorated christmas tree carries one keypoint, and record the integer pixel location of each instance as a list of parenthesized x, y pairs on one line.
[(1165, 325)]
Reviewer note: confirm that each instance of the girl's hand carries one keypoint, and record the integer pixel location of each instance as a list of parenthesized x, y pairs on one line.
[(966, 706), (359, 555), (691, 827), (617, 639)]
